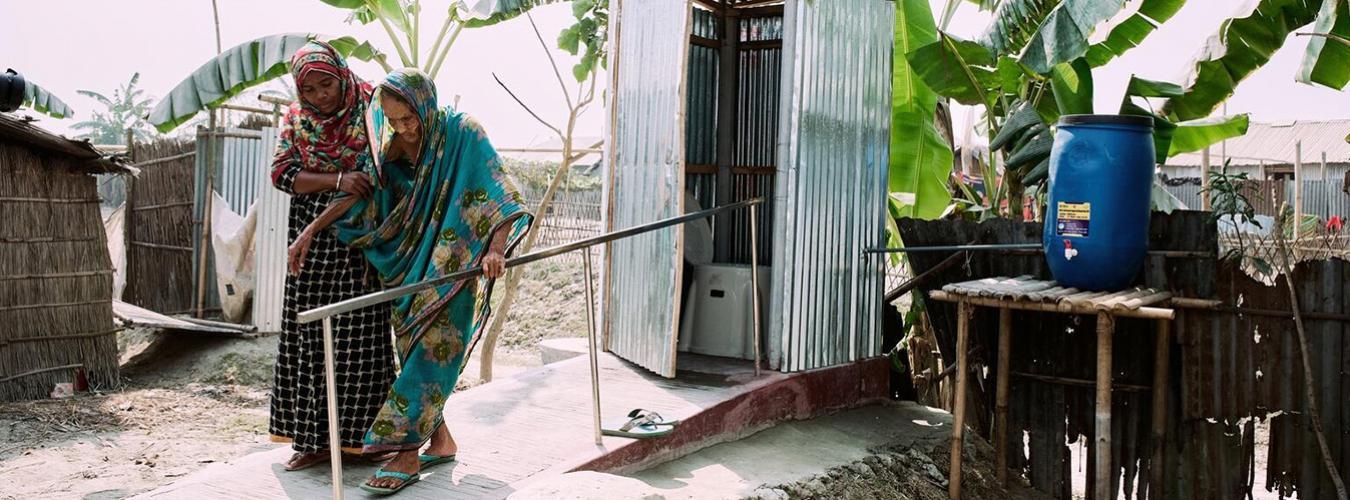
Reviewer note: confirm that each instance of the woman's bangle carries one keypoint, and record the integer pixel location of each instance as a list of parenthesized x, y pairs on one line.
[(338, 186)]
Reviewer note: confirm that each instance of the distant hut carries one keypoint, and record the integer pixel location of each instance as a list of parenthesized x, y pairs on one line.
[(56, 316)]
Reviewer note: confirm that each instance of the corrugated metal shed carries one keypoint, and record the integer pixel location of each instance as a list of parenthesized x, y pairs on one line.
[(810, 122)]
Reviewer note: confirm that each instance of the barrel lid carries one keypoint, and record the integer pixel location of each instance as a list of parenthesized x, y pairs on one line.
[(1131, 120)]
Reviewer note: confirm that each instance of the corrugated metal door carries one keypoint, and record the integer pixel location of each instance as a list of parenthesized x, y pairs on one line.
[(826, 295), (646, 182)]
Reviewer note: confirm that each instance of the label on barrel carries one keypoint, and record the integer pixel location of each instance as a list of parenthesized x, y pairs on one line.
[(1073, 219)]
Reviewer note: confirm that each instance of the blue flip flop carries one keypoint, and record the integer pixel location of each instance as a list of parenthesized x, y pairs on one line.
[(381, 474), (433, 460)]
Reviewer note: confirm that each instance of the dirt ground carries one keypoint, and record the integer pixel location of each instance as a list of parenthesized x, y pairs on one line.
[(188, 401)]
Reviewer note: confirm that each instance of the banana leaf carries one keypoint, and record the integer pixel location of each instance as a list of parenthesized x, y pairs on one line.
[(954, 68), (1195, 135), (241, 67), (1132, 31), (1046, 32), (1241, 46), (479, 13), (1327, 61), (365, 11), (1171, 139), (44, 102), (920, 159), (1072, 83)]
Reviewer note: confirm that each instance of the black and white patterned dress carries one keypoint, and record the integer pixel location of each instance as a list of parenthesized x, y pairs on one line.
[(364, 351)]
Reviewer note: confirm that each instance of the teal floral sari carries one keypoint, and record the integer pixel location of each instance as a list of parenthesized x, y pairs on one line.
[(426, 219)]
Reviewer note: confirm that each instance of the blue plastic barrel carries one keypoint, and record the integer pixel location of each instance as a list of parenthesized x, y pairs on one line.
[(1096, 221)]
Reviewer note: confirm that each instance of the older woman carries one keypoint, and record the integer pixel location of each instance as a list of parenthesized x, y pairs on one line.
[(323, 138), (441, 204)]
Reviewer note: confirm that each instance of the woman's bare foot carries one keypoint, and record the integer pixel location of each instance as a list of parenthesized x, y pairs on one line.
[(405, 462), (302, 460), (442, 443)]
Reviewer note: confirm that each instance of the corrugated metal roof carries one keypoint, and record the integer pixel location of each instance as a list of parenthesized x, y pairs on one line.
[(1273, 144)]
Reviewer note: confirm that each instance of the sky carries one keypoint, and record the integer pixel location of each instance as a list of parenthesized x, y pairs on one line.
[(97, 45)]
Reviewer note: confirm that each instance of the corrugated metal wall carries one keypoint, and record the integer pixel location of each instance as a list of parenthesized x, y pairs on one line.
[(757, 122), (753, 159), (1321, 198), (269, 240), (647, 182), (242, 175), (240, 169), (831, 186)]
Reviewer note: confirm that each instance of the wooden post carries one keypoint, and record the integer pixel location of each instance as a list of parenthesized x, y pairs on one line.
[(728, 89), (1324, 166), (963, 313), (1298, 188), (128, 211), (205, 242), (1106, 325), (1204, 179), (1162, 362), (1001, 397)]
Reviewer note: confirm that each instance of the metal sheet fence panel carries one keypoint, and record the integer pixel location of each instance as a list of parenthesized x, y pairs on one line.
[(648, 181), (825, 301), (270, 241)]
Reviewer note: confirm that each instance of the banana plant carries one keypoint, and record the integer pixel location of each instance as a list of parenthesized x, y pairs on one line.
[(257, 61), (920, 159)]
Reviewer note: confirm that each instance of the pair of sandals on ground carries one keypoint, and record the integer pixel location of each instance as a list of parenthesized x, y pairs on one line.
[(641, 424)]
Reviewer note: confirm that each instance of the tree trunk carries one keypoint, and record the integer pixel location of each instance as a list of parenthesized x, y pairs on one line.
[(1016, 194), (512, 282)]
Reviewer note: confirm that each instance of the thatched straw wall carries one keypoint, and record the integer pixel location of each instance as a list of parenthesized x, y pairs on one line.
[(159, 229), (55, 276)]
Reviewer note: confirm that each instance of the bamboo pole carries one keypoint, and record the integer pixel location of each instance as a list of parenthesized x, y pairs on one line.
[(590, 347), (1106, 325), (204, 245), (963, 312), (754, 283), (1078, 382), (1161, 363), (334, 438), (128, 219), (1001, 397), (1324, 166), (1142, 312)]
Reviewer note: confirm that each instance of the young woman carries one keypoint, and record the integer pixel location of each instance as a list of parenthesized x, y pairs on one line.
[(323, 138)]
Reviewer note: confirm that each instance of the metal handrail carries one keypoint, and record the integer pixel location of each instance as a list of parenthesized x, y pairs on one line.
[(327, 312), (955, 248), (371, 299)]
